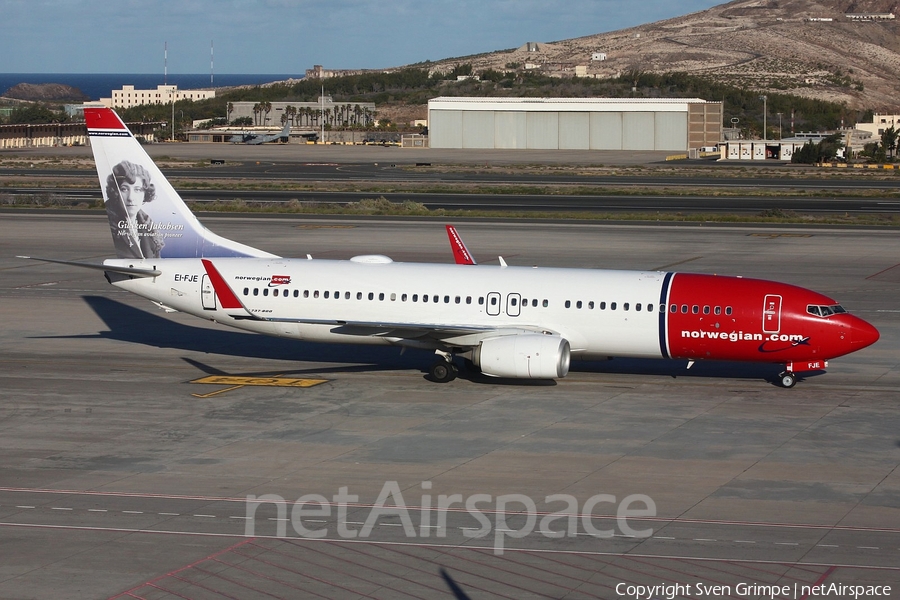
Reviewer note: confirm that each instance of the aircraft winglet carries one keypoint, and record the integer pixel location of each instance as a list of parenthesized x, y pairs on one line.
[(461, 254)]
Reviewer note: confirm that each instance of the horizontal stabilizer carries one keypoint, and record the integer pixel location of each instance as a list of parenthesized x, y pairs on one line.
[(100, 267)]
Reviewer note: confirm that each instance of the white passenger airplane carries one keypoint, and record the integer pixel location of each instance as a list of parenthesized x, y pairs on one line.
[(517, 322)]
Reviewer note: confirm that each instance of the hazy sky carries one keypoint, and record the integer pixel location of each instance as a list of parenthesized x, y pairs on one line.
[(289, 36)]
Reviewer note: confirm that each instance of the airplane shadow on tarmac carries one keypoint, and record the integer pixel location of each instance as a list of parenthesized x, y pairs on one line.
[(129, 324)]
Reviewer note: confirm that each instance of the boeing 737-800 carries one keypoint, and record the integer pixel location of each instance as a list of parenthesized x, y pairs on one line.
[(516, 322)]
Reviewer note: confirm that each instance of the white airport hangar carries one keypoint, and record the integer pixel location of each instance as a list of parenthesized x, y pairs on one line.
[(670, 124)]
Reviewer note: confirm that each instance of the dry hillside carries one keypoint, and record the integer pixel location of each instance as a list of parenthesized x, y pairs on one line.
[(763, 44)]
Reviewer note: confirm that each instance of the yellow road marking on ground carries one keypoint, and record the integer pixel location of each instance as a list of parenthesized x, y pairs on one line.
[(236, 382)]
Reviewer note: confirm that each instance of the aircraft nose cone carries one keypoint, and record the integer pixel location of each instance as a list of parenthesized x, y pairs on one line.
[(862, 334)]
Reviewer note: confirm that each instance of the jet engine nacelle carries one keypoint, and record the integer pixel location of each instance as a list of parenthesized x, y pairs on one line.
[(526, 356)]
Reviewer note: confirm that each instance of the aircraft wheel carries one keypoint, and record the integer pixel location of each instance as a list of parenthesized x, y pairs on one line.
[(787, 379), (443, 371)]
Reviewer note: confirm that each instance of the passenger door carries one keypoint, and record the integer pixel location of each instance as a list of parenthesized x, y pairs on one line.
[(772, 314)]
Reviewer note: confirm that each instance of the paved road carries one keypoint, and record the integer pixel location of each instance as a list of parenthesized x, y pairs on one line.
[(524, 202)]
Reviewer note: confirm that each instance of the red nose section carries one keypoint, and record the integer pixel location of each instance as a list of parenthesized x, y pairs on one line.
[(862, 334)]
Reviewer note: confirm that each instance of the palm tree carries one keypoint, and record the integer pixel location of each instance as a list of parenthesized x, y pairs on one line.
[(889, 140), (257, 108), (230, 109)]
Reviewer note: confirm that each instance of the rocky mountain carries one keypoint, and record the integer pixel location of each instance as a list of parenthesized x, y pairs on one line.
[(840, 50), (45, 92)]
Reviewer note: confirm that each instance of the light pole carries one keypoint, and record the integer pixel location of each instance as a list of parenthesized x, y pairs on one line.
[(763, 98), (779, 125)]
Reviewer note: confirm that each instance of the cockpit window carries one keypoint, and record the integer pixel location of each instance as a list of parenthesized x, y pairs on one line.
[(825, 311)]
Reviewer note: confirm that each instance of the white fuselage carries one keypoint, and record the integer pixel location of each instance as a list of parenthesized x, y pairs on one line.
[(600, 312)]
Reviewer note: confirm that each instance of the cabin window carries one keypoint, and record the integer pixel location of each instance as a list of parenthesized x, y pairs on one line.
[(359, 295), (371, 296), (424, 297), (393, 297), (612, 306), (625, 306), (568, 303), (578, 304), (637, 306), (415, 298), (534, 302), (337, 295), (727, 310), (603, 305), (684, 309), (591, 305), (695, 309), (674, 308), (457, 299), (246, 291), (649, 308), (468, 299), (705, 310), (435, 298), (306, 293), (512, 301), (346, 295), (265, 291), (256, 291), (662, 308), (296, 293), (381, 296), (546, 303), (718, 310), (480, 299), (446, 299), (325, 294), (403, 298), (493, 301)]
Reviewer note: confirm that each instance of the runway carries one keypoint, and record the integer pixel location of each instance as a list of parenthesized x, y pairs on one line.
[(123, 478)]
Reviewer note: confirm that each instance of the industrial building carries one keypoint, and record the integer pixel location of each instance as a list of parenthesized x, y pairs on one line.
[(667, 124)]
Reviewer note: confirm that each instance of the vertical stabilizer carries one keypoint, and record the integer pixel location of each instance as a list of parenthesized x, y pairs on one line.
[(147, 217)]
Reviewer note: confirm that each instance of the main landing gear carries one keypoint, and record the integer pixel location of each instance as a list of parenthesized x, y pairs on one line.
[(443, 370)]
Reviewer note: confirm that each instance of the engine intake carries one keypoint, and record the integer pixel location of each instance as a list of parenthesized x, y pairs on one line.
[(526, 356)]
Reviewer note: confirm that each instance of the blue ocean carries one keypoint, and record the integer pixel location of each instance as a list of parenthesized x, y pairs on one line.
[(100, 85)]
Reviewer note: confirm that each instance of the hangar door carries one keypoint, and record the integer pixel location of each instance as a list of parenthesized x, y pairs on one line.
[(671, 129), (606, 131), (637, 131), (509, 129), (478, 129), (542, 130), (445, 129), (574, 131)]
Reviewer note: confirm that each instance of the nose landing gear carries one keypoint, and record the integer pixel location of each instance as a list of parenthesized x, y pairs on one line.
[(787, 379)]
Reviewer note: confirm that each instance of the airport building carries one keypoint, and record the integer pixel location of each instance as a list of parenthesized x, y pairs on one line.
[(668, 124), (305, 114), (128, 97)]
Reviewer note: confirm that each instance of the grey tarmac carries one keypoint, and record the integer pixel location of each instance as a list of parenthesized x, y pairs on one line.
[(120, 476)]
